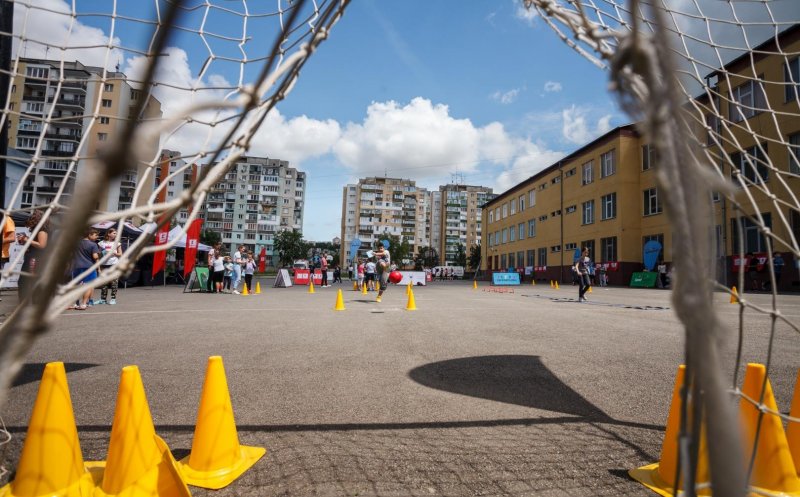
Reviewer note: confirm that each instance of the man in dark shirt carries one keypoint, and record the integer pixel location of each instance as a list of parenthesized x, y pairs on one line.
[(88, 252)]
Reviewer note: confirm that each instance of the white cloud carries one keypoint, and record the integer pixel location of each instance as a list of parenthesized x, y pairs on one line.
[(576, 128), (507, 97), (50, 31), (552, 86), (525, 14)]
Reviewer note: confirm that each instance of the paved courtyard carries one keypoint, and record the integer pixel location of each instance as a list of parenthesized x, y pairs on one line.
[(475, 393)]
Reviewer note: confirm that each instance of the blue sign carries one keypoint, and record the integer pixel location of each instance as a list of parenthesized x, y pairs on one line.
[(354, 246), (501, 279), (385, 244), (576, 255), (651, 250)]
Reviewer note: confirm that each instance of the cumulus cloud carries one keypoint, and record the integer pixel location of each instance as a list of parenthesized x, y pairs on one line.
[(51, 33), (552, 86), (505, 97), (576, 127), (525, 14)]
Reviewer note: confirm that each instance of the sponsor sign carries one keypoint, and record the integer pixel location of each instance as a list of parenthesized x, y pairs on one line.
[(505, 279)]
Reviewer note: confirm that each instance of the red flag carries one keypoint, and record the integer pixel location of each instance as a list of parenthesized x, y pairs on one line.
[(160, 257), (262, 260), (192, 240)]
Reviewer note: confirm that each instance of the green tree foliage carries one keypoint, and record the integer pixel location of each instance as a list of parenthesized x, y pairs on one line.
[(209, 237), (461, 256), (427, 257), (289, 245), (475, 256)]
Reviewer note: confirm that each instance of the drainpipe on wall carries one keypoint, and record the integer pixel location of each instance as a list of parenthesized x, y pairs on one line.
[(561, 217)]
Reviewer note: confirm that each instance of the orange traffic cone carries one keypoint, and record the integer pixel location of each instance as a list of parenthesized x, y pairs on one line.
[(773, 468), (411, 305), (552, 284), (51, 462), (216, 459), (339, 301), (533, 281), (734, 296), (793, 430), (355, 285), (258, 288), (589, 290), (139, 463), (311, 286)]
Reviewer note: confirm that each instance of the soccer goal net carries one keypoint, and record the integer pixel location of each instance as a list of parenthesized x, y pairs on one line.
[(715, 88), (91, 98)]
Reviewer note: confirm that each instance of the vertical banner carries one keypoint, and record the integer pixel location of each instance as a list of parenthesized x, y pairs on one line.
[(160, 257), (262, 260), (192, 241)]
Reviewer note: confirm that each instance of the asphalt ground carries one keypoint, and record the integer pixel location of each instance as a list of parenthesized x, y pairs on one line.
[(474, 393)]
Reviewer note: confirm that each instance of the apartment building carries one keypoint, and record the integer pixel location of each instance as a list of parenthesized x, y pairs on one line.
[(257, 198), (173, 170), (459, 219), (375, 207), (86, 110)]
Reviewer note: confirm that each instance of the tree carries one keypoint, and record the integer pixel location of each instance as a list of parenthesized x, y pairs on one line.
[(475, 256), (461, 256), (209, 237), (427, 257), (399, 249), (289, 245)]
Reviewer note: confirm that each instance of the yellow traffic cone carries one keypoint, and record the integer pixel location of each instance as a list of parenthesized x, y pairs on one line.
[(51, 462), (589, 290), (557, 287), (474, 284), (364, 288), (734, 296), (139, 463), (793, 430), (660, 477), (408, 289), (552, 284), (339, 301), (355, 285), (216, 459), (773, 468), (258, 288), (311, 286), (245, 291), (533, 281), (411, 305)]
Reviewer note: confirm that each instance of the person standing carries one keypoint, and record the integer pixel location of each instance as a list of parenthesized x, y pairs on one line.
[(218, 276), (86, 255), (111, 250), (582, 270), (662, 274), (211, 256), (777, 264), (360, 273), (9, 235), (382, 262), (369, 275), (337, 275), (238, 263), (323, 265), (33, 255), (249, 270)]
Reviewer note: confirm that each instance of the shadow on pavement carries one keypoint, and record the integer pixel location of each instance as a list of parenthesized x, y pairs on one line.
[(32, 371), (514, 379)]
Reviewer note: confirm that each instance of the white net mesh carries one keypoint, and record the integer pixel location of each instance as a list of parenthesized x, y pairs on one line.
[(87, 116), (714, 86)]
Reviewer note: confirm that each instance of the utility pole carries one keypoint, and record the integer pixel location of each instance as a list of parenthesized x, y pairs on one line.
[(7, 28)]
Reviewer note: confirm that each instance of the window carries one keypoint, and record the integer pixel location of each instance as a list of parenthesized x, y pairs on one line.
[(555, 248), (556, 180), (587, 170), (521, 203), (505, 210), (648, 157), (608, 165), (13, 88), (108, 87), (102, 137), (543, 218), (530, 254), (521, 229), (505, 235), (135, 94), (34, 107), (532, 198), (512, 234), (753, 237), (497, 213), (503, 261), (747, 100), (25, 142), (608, 249), (542, 257), (794, 153), (608, 204), (556, 213), (543, 186), (588, 212), (511, 262), (791, 75), (532, 228), (37, 72), (106, 102), (652, 205), (491, 216), (513, 207), (660, 239), (572, 208), (105, 120), (497, 238), (570, 246), (569, 173), (752, 164), (714, 124)]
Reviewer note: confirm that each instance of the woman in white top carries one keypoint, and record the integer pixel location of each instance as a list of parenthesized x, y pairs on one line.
[(219, 272), (111, 251)]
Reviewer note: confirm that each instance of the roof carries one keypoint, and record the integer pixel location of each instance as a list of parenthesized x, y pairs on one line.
[(768, 45)]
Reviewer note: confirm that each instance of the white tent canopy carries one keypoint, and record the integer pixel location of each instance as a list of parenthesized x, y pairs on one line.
[(173, 234)]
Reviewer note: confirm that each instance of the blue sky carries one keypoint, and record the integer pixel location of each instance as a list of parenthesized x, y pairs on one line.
[(411, 89)]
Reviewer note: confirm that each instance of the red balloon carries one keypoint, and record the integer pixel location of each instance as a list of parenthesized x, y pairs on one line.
[(395, 277)]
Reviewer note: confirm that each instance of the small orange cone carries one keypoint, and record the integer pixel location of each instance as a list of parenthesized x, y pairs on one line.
[(139, 463), (245, 291), (793, 430), (557, 287), (411, 305), (734, 295), (216, 459), (773, 468), (533, 281), (474, 284), (51, 463), (258, 288), (364, 288), (339, 301), (355, 285), (552, 284), (311, 286)]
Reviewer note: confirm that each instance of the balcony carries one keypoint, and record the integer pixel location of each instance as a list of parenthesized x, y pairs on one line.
[(46, 189), (52, 172), (56, 153), (61, 101)]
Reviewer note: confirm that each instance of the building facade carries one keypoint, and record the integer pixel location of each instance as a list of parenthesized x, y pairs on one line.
[(257, 198), (173, 170), (459, 221), (375, 207), (86, 111)]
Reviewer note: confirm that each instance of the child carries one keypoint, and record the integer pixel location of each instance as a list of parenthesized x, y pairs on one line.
[(360, 274), (249, 270), (227, 277), (218, 264)]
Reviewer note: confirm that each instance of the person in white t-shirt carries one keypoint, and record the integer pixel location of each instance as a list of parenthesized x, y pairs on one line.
[(219, 272), (238, 264), (383, 265), (111, 251)]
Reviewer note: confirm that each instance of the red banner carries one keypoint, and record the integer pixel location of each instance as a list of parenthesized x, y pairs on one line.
[(192, 241), (262, 260), (761, 261), (160, 257), (301, 276)]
